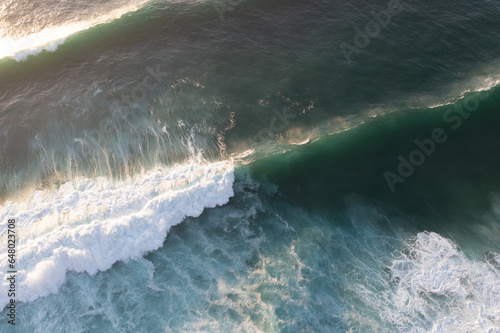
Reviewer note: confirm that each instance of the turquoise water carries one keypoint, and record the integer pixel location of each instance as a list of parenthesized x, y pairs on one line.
[(171, 169)]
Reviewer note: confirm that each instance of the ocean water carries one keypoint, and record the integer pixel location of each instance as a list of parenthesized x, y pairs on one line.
[(251, 166)]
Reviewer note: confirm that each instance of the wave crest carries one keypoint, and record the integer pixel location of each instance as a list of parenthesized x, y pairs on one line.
[(87, 226)]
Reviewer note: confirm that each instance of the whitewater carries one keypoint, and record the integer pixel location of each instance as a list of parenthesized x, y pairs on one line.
[(48, 36), (87, 225), (246, 192)]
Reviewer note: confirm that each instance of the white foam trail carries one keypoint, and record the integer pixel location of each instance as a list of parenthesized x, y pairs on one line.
[(86, 226), (49, 39), (440, 290)]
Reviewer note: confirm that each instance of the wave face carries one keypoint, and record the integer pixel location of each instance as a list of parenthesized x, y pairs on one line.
[(87, 226), (45, 27)]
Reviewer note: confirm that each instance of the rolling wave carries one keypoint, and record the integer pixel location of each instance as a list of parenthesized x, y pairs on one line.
[(87, 226), (49, 39)]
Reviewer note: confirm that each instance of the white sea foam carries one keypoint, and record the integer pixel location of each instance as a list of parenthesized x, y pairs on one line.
[(86, 225), (50, 38), (439, 289)]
